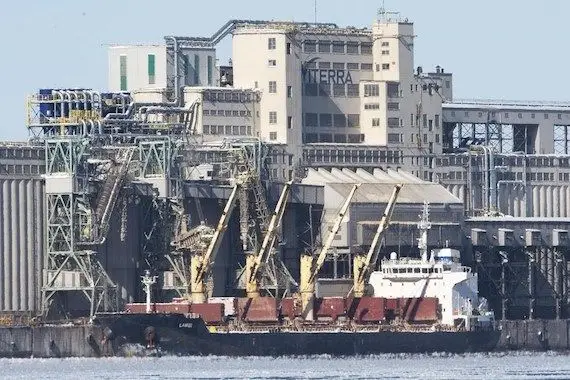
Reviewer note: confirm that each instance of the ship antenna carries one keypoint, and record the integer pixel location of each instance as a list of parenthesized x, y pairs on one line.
[(147, 281), (424, 225)]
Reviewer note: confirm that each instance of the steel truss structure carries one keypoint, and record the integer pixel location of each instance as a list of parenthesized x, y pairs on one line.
[(530, 282)]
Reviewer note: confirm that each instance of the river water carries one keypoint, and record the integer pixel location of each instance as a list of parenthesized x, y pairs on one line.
[(435, 366)]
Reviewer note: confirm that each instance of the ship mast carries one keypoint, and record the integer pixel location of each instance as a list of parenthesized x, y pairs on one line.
[(147, 281), (424, 225)]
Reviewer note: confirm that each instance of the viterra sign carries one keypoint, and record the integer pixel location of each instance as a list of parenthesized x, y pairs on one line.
[(324, 76)]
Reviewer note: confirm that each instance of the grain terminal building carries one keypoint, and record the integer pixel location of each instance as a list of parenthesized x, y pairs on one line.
[(316, 83), (327, 106)]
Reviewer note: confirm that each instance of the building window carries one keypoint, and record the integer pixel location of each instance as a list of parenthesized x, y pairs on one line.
[(324, 89), (324, 46), (385, 52), (325, 120), (272, 117), (311, 65), (123, 72), (288, 47), (392, 90), (376, 122), (311, 120), (372, 106), (324, 65), (339, 120), (339, 138), (430, 125), (520, 115), (424, 120), (393, 122), (392, 106), (271, 43), (352, 66), (210, 70), (506, 115), (366, 66), (371, 90), (385, 66), (436, 121), (352, 90), (385, 43), (311, 89), (366, 48), (289, 122), (437, 138), (151, 68), (394, 138), (447, 84), (546, 116), (352, 47), (197, 69), (338, 65), (338, 47), (353, 120), (272, 135), (272, 87), (272, 63), (289, 91), (310, 46), (339, 90)]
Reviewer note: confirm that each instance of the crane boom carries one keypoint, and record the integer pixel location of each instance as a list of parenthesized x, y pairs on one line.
[(201, 260), (254, 264), (217, 238), (362, 267), (330, 237)]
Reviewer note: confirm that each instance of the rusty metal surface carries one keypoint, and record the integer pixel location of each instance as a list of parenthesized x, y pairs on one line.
[(330, 307), (290, 308), (368, 309), (261, 309), (211, 313), (423, 309)]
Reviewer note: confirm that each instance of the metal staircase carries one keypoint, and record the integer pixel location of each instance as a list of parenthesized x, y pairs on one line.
[(110, 192)]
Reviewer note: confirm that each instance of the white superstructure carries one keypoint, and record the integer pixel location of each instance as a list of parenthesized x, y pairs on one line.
[(441, 276)]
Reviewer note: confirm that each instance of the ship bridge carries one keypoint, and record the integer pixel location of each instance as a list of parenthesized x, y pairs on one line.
[(532, 127)]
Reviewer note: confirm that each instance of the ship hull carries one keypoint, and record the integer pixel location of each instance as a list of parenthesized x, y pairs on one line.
[(177, 334)]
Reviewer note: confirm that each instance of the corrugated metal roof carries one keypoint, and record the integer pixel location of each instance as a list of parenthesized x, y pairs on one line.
[(377, 187), (381, 192)]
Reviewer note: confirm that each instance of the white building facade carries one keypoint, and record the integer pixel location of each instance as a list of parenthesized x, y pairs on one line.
[(314, 85)]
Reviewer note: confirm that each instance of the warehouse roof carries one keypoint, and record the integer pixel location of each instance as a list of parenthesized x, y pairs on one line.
[(376, 187)]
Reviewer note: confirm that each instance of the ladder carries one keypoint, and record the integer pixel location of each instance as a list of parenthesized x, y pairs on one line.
[(110, 191)]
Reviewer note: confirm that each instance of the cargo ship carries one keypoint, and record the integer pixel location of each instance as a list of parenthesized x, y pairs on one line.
[(410, 305)]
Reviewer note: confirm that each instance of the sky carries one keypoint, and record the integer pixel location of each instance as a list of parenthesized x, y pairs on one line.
[(496, 49)]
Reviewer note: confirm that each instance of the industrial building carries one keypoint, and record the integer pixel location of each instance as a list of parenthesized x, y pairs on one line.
[(137, 177)]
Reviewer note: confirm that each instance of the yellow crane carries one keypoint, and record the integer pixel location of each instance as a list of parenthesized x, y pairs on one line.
[(364, 264), (201, 261), (311, 265), (255, 262)]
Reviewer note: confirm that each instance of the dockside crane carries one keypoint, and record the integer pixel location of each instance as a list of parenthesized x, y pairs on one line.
[(311, 265), (254, 262), (201, 262), (363, 265)]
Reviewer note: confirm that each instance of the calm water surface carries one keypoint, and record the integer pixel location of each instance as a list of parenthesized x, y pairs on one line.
[(437, 366)]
